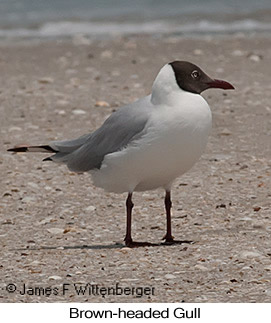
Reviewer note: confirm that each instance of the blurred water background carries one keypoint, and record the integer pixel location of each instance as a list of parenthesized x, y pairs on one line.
[(96, 18)]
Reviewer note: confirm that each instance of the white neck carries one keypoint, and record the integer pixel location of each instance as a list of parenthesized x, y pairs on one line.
[(165, 87)]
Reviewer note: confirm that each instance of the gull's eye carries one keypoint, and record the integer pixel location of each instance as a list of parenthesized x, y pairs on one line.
[(195, 74)]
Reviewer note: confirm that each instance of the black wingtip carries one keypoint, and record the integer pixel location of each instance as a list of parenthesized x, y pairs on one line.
[(18, 149)]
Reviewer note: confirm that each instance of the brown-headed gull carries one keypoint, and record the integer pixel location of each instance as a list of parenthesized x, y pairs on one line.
[(146, 144)]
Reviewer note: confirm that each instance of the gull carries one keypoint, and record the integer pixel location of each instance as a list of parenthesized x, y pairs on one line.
[(147, 144)]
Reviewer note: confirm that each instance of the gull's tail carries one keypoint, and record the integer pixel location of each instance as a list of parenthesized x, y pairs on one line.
[(61, 149), (34, 149)]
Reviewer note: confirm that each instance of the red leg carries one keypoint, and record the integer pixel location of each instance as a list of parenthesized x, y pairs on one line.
[(128, 238), (129, 206), (168, 237), (168, 204)]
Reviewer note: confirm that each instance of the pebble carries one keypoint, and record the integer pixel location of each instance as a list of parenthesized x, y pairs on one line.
[(60, 112), (255, 58), (225, 132), (14, 129), (29, 199), (55, 230), (33, 185), (101, 104), (78, 112), (245, 218), (250, 254), (198, 52), (70, 229), (201, 267), (32, 126), (62, 103), (90, 208), (237, 52), (34, 263), (228, 101), (46, 220), (125, 249), (46, 80), (170, 276), (106, 54), (54, 278)]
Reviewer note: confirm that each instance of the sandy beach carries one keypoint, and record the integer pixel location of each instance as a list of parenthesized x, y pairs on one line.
[(57, 229)]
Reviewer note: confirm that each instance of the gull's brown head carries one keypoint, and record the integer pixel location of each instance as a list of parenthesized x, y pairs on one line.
[(191, 78)]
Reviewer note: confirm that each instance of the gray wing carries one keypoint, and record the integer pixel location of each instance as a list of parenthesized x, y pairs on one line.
[(88, 151)]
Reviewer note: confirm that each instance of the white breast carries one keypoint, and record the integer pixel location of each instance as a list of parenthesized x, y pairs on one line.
[(175, 137)]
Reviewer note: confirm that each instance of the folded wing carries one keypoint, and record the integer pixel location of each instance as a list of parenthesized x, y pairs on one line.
[(88, 151)]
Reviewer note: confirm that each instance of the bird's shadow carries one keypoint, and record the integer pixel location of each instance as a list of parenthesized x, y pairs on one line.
[(116, 245), (81, 247)]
